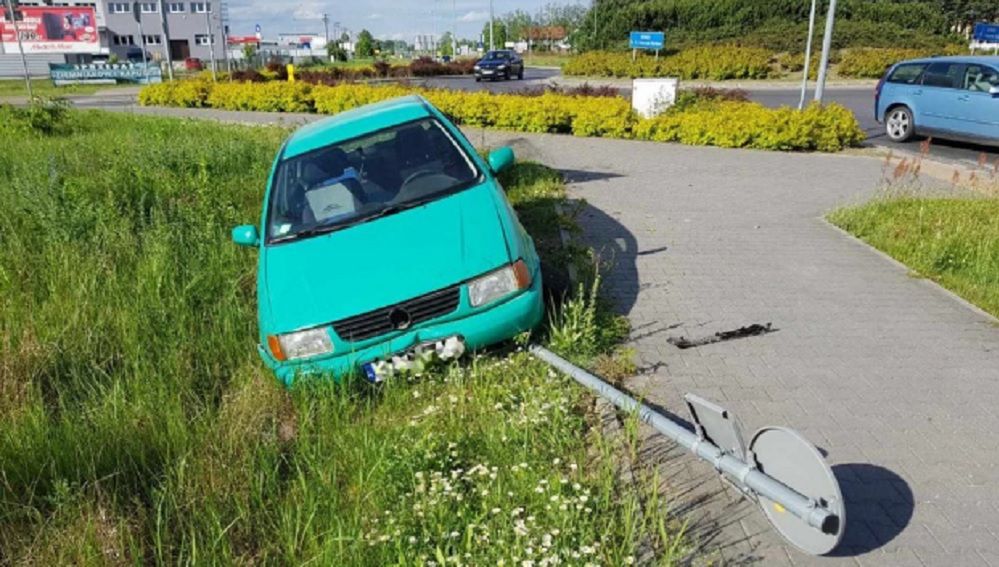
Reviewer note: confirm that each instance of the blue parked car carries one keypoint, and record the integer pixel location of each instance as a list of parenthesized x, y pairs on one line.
[(948, 97)]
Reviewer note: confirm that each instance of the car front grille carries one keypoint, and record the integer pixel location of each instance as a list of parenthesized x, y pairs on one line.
[(399, 316)]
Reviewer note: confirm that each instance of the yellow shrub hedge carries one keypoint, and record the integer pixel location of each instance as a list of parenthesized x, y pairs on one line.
[(716, 62), (722, 123), (267, 97), (871, 63), (750, 125)]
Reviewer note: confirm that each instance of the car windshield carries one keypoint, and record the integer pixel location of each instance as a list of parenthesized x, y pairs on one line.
[(497, 55), (364, 178)]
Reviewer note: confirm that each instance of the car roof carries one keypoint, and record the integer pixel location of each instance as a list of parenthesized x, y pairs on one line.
[(973, 59), (357, 122)]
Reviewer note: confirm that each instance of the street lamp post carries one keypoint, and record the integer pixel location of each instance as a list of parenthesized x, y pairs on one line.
[(808, 56), (820, 87), (137, 12), (20, 48), (492, 44), (211, 43), (166, 38)]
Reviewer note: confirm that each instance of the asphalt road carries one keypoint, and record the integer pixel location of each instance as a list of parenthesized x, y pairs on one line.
[(859, 100)]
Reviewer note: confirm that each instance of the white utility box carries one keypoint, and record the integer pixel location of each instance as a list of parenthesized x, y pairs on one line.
[(650, 97)]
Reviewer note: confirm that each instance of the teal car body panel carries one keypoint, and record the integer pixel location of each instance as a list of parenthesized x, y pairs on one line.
[(312, 282)]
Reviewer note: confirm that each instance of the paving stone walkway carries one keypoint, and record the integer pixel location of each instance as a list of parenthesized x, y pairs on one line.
[(896, 380)]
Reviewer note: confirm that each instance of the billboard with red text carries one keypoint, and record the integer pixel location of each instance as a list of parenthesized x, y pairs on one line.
[(51, 29)]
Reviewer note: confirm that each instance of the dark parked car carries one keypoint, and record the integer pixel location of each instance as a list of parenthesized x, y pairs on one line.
[(499, 64), (948, 97)]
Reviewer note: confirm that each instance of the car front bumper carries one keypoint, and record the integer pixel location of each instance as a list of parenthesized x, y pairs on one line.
[(490, 73), (482, 328)]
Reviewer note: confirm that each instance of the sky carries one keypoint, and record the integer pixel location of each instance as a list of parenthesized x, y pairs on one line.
[(386, 19)]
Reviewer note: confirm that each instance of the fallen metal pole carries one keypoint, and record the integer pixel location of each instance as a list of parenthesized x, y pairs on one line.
[(743, 474)]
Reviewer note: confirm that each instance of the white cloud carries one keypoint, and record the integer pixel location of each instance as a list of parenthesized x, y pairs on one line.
[(407, 18), (475, 16)]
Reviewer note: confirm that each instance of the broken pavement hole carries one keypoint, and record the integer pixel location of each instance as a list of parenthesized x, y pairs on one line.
[(740, 333)]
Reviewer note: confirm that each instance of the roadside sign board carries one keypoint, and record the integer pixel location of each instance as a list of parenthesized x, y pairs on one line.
[(137, 73), (986, 33), (51, 29), (647, 40)]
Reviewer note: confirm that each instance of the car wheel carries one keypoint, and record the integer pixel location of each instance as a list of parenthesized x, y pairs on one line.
[(478, 79), (520, 75), (899, 124), (506, 76)]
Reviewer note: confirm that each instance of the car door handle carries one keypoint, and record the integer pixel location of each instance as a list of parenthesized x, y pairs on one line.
[(964, 98), (917, 92)]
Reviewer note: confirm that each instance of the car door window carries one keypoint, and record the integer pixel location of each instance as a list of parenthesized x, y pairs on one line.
[(980, 78), (944, 75), (908, 74)]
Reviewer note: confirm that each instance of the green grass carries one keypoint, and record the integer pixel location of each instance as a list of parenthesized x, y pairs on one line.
[(953, 241), (45, 87), (137, 424), (545, 60)]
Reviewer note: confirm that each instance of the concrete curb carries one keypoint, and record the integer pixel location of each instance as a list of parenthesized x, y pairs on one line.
[(988, 317)]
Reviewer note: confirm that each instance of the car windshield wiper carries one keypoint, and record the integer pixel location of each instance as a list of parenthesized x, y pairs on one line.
[(337, 224)]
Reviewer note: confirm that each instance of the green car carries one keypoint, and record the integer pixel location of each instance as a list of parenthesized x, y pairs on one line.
[(385, 240)]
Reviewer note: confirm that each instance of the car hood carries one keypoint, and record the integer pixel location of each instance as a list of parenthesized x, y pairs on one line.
[(351, 271), (492, 62)]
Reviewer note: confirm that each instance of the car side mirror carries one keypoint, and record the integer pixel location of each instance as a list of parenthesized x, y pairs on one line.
[(500, 159), (246, 235), (994, 91)]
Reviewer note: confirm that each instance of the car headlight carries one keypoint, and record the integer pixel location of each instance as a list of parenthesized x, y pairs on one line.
[(499, 283), (477, 68), (300, 344), (501, 67)]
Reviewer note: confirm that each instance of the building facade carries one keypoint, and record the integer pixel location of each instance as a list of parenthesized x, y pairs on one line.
[(184, 28), (174, 29)]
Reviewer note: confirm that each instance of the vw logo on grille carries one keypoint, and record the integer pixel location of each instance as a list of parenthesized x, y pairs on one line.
[(400, 318)]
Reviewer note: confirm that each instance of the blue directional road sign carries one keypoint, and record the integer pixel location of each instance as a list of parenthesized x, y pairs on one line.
[(987, 33), (647, 40)]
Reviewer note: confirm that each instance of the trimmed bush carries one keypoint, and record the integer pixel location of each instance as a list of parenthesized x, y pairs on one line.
[(871, 63), (717, 62), (705, 117), (731, 124), (267, 97)]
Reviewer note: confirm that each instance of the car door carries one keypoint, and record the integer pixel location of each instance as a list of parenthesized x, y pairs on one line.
[(902, 85), (978, 110), (941, 89)]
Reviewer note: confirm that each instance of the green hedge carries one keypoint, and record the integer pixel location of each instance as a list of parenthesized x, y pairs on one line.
[(871, 63), (717, 62), (706, 121)]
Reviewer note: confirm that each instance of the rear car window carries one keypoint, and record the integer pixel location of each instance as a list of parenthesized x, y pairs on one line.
[(945, 75), (907, 74), (980, 78)]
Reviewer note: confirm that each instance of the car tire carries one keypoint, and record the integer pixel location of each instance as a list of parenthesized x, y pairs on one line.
[(899, 125), (506, 76), (478, 79), (520, 75)]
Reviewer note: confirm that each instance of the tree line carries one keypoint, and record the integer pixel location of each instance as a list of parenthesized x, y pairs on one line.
[(780, 24)]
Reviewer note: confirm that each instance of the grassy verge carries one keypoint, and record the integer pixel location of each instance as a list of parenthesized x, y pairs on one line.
[(138, 426), (546, 60), (45, 87), (952, 241)]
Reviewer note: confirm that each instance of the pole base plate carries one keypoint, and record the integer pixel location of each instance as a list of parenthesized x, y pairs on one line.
[(789, 458)]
